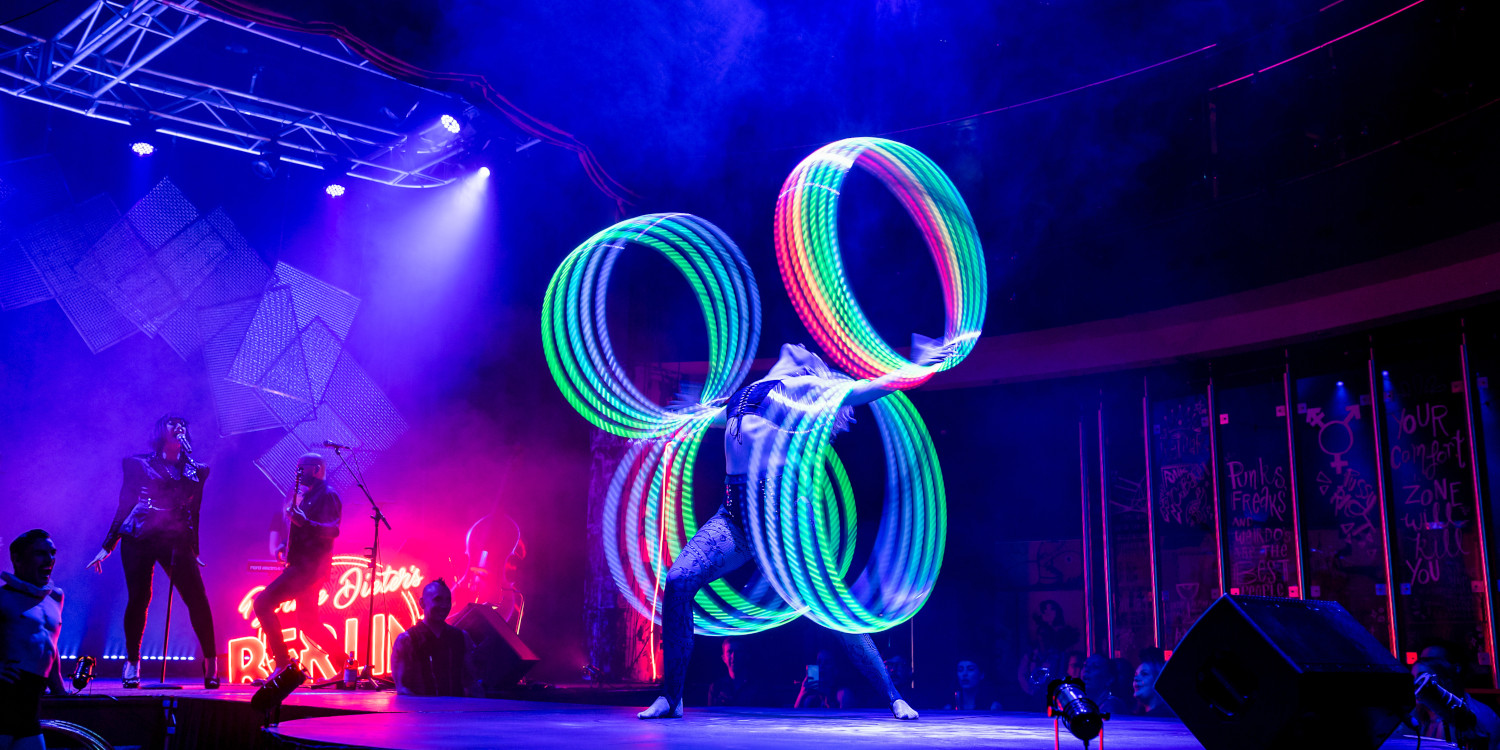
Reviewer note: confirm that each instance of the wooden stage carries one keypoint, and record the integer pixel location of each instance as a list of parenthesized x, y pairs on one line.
[(341, 719)]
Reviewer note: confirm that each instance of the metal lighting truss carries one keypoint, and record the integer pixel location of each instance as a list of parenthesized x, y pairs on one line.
[(97, 65)]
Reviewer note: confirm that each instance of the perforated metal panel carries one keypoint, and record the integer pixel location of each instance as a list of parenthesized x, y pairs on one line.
[(315, 298), (239, 407), (120, 268), (238, 273), (271, 331), (54, 244), (161, 214), (363, 406), (21, 284)]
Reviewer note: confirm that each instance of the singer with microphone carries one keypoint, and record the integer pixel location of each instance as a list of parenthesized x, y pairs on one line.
[(156, 523), (313, 515)]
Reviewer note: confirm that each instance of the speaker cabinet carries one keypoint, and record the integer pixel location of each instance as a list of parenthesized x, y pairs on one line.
[(500, 658), (1257, 672)]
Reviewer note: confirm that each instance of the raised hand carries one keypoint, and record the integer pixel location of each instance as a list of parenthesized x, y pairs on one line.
[(97, 564), (926, 352)]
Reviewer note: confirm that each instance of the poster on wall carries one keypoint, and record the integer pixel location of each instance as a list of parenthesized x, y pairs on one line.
[(1438, 566), (1338, 497), (1127, 538), (1184, 516), (1255, 490)]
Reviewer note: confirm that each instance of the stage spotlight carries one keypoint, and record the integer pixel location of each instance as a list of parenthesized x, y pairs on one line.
[(1340, 384), (484, 173), (1385, 373), (268, 697), (1067, 702), (334, 190), (264, 167), (450, 123), (83, 672), (142, 148)]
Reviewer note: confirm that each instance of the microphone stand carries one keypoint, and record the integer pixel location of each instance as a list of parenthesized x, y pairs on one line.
[(367, 679), (171, 587), (167, 633)]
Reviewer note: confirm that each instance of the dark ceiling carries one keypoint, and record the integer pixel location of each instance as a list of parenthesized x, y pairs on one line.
[(1154, 189)]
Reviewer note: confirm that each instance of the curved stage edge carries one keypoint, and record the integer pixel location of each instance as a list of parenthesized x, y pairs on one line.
[(384, 720)]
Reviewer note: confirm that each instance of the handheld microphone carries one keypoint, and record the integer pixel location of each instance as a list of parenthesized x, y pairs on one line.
[(183, 438), (83, 672), (336, 446)]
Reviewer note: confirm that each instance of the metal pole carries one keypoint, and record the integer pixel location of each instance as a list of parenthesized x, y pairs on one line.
[(1377, 413), (1480, 508), (1151, 511), (1213, 474), (1291, 459)]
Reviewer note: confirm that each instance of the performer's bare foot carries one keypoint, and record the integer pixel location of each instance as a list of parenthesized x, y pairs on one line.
[(902, 711), (661, 709)]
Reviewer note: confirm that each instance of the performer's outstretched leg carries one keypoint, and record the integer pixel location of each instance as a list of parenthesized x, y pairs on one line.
[(717, 548), (866, 658)]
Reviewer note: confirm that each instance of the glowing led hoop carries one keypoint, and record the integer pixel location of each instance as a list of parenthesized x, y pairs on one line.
[(807, 252), (792, 533), (577, 343), (652, 485)]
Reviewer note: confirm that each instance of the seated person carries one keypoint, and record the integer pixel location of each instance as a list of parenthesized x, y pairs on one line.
[(823, 686), (1073, 664), (974, 693), (433, 658), (1098, 684), (1448, 713), (735, 688), (1149, 703), (30, 619)]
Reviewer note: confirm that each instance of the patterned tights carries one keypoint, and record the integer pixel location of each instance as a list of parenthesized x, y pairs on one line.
[(719, 547)]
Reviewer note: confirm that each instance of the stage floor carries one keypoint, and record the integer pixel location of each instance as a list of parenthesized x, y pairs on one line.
[(391, 722)]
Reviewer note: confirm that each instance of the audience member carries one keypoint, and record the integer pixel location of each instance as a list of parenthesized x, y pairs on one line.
[(1098, 683), (1123, 681), (1073, 665), (1149, 702), (823, 687), (434, 658), (739, 686), (30, 620), (973, 691)]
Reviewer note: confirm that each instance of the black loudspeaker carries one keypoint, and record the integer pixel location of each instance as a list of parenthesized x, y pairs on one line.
[(1256, 673), (500, 657)]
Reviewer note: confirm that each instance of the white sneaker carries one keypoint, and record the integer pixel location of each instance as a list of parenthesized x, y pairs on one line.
[(132, 677)]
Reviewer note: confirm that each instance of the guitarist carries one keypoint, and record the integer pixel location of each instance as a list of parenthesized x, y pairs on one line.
[(308, 551)]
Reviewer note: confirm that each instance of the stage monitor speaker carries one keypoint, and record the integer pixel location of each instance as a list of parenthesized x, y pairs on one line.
[(500, 657), (1256, 673)]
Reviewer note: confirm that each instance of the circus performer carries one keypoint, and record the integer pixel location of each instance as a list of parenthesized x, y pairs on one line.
[(756, 419)]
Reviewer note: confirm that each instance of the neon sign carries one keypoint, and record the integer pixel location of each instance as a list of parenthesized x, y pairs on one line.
[(396, 610)]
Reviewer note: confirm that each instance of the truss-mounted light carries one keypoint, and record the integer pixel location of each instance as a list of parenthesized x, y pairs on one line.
[(120, 67), (142, 148)]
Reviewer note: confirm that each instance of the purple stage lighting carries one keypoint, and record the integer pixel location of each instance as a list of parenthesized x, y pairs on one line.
[(1340, 384), (1385, 373), (484, 173), (142, 148), (335, 190), (450, 124)]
